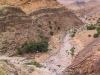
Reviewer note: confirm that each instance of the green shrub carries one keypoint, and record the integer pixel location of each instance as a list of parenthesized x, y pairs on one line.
[(35, 64), (19, 51), (89, 35), (73, 35), (49, 22), (98, 30), (58, 28), (51, 33), (95, 35), (50, 27), (39, 25), (41, 46), (91, 27)]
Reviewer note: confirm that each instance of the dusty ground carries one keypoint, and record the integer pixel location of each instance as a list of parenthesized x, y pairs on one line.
[(81, 39), (87, 11)]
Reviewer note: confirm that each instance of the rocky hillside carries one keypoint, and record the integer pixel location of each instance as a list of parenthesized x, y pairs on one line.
[(21, 22), (87, 61), (16, 27)]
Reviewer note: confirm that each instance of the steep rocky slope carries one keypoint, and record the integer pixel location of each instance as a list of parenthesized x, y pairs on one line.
[(87, 61)]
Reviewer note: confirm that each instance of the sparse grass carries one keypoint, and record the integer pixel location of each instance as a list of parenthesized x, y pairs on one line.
[(19, 16), (2, 72), (4, 41), (3, 18), (71, 74), (35, 64)]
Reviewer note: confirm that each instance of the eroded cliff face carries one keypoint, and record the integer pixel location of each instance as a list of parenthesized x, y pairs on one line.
[(87, 61)]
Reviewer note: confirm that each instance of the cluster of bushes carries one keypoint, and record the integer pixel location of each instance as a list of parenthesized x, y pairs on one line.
[(72, 51), (91, 27), (33, 47)]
